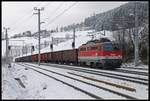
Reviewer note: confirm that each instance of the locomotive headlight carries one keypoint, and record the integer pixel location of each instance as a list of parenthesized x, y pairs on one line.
[(96, 54), (119, 56)]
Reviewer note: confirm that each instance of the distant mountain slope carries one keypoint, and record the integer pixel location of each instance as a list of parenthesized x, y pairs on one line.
[(122, 16)]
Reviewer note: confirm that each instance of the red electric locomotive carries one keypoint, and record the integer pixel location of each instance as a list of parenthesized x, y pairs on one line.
[(100, 53)]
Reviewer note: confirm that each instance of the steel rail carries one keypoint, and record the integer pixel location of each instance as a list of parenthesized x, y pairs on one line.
[(77, 88), (100, 87), (106, 74)]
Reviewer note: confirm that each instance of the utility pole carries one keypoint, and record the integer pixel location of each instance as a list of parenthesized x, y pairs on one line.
[(22, 49), (51, 45), (104, 27), (136, 49), (31, 49), (73, 45), (104, 32), (39, 23), (94, 16), (123, 44), (26, 47), (6, 29)]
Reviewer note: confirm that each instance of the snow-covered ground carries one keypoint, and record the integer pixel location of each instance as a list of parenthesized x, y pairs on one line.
[(38, 86), (131, 64)]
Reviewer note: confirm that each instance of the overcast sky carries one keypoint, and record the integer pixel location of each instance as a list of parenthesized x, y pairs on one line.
[(19, 15)]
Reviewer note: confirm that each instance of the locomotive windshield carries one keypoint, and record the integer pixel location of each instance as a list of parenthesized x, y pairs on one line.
[(110, 47), (116, 46)]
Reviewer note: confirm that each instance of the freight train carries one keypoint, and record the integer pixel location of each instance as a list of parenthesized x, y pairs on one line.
[(95, 53)]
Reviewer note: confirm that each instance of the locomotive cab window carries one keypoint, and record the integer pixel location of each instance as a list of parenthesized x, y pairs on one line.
[(108, 47), (111, 47), (116, 47)]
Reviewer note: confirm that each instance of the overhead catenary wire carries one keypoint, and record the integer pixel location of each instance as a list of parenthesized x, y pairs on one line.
[(16, 21), (47, 5), (43, 6), (23, 20), (28, 18), (54, 11), (21, 17), (51, 21)]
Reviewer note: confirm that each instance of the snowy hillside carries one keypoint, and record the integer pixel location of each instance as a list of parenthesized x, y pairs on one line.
[(81, 38)]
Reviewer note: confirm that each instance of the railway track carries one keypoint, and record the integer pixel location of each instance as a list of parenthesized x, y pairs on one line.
[(102, 73), (119, 70), (81, 81), (132, 72), (129, 71), (104, 81), (134, 68), (81, 90)]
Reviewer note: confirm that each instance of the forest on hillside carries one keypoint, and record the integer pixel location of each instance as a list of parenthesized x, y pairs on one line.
[(121, 21)]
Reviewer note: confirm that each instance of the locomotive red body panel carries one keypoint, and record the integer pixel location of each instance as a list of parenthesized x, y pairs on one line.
[(100, 54)]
